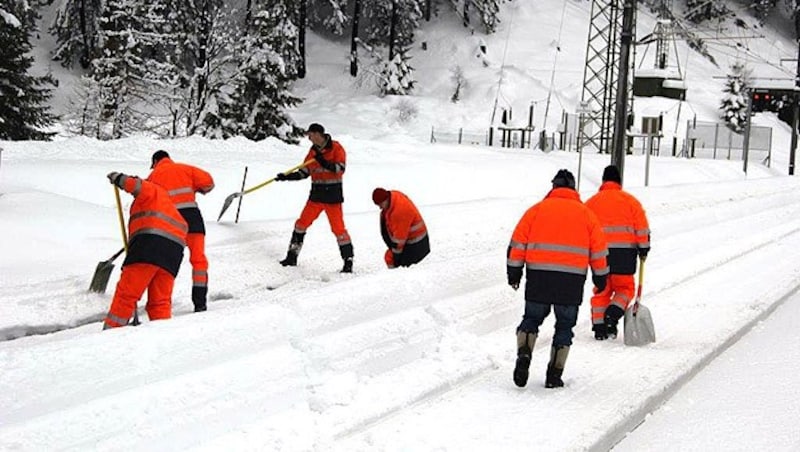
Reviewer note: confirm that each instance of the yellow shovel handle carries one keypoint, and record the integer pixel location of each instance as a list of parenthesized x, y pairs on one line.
[(121, 219), (290, 170)]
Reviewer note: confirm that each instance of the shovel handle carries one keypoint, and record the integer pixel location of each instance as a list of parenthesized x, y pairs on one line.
[(269, 181), (121, 219)]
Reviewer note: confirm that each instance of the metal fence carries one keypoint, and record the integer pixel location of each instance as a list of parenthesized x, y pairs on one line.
[(716, 141), (459, 136)]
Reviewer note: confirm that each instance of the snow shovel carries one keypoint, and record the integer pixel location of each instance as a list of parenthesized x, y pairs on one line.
[(102, 272), (639, 328), (233, 196)]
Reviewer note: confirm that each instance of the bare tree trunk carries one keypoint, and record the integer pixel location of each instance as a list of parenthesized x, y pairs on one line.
[(392, 30), (301, 71), (354, 39)]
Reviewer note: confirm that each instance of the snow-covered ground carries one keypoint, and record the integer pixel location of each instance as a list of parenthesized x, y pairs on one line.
[(409, 359)]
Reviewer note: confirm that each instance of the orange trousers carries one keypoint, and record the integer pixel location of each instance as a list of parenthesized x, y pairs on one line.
[(619, 291), (335, 218), (135, 279), (197, 257)]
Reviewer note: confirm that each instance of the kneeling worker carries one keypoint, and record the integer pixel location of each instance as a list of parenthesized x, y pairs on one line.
[(402, 228)]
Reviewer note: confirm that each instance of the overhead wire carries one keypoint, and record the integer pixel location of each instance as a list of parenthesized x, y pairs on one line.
[(502, 67)]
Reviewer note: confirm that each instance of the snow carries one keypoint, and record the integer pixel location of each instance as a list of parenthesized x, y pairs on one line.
[(415, 358)]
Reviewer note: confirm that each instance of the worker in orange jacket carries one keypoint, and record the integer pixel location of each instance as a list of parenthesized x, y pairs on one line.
[(628, 235), (402, 228), (182, 181), (326, 172), (555, 241), (157, 235)]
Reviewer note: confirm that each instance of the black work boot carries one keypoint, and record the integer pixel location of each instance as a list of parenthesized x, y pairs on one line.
[(290, 260), (600, 331), (348, 265), (555, 368), (525, 343), (611, 317)]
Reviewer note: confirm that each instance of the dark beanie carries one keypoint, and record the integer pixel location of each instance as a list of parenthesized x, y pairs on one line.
[(316, 128), (379, 195), (564, 179), (611, 173), (157, 156)]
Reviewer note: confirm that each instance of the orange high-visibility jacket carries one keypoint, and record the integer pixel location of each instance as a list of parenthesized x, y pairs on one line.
[(326, 178), (556, 240), (404, 231), (624, 224), (182, 181), (157, 231)]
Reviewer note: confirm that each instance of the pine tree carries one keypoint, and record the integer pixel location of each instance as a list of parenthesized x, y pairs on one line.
[(398, 76), (488, 10), (734, 100), (762, 8), (23, 97), (378, 20), (267, 67), (329, 15), (702, 10), (75, 28)]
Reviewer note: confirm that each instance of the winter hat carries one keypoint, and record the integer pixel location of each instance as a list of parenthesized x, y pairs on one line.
[(611, 173), (564, 179), (314, 127), (157, 156), (379, 195)]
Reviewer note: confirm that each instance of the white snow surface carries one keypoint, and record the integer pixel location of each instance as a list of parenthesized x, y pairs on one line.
[(420, 358)]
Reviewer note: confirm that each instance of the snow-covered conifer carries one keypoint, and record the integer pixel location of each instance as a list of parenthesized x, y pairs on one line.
[(734, 100)]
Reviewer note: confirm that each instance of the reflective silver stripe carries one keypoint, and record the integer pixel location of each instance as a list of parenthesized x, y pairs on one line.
[(159, 232), (557, 268), (397, 250), (116, 319), (180, 191), (644, 244), (343, 239), (327, 181), (599, 254), (599, 321), (199, 273), (600, 310), (199, 284), (299, 230), (151, 213), (418, 239), (185, 205), (137, 188), (516, 245), (417, 226), (560, 248), (340, 167), (612, 229), (514, 262), (205, 190), (622, 245), (600, 271), (642, 231), (304, 172)]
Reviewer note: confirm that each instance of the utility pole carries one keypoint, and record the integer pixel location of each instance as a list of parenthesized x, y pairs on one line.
[(795, 99), (621, 116)]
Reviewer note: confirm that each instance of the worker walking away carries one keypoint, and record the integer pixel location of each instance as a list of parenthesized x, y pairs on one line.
[(402, 228), (182, 181), (157, 235), (326, 172), (627, 233), (555, 241)]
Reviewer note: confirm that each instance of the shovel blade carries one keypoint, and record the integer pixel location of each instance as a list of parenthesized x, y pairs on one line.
[(227, 203), (102, 273), (639, 329)]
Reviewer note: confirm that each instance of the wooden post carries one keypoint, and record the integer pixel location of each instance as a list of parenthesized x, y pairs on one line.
[(239, 207)]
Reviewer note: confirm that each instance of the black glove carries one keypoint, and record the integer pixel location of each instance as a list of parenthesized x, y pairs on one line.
[(114, 177), (397, 259), (281, 177), (514, 276), (599, 281), (643, 253)]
